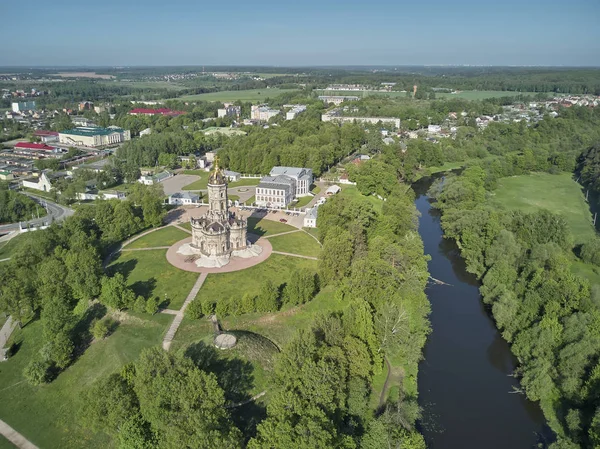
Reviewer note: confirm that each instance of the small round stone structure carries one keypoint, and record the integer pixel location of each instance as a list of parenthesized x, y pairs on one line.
[(225, 341)]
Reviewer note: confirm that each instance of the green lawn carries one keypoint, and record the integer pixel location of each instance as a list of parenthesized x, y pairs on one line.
[(296, 243), (200, 184), (277, 268), (233, 197), (163, 237), (312, 231), (315, 190), (7, 248), (243, 182), (5, 444), (302, 201), (350, 191), (49, 415), (150, 274), (253, 95), (281, 326), (187, 225), (251, 200), (557, 193), (263, 226), (194, 172)]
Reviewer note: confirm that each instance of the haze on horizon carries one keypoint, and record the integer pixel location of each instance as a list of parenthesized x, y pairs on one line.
[(383, 32)]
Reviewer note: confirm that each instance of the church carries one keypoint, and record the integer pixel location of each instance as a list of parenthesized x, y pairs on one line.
[(218, 233)]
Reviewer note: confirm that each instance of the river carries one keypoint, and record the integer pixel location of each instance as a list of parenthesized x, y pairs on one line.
[(464, 379)]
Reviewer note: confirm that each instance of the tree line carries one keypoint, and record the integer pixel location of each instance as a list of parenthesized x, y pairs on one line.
[(17, 207)]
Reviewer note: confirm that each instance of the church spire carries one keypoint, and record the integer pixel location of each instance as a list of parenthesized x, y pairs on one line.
[(216, 177)]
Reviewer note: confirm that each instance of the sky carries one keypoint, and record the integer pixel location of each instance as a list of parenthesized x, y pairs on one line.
[(300, 32)]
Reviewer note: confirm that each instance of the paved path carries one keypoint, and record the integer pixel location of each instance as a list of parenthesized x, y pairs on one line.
[(179, 317), (145, 249), (4, 260), (295, 255), (5, 334), (182, 228), (15, 437), (281, 233), (118, 249), (169, 311)]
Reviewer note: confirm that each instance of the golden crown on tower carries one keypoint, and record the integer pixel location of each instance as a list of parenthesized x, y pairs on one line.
[(216, 176)]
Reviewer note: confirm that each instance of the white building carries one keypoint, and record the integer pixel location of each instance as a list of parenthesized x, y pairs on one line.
[(294, 111), (229, 111), (333, 190), (335, 116), (434, 128), (232, 176), (145, 132), (275, 191), (262, 113), (42, 183), (310, 219), (22, 106), (337, 99), (94, 136), (149, 180), (184, 199), (303, 178)]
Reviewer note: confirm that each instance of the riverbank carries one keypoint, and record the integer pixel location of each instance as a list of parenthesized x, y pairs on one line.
[(465, 382)]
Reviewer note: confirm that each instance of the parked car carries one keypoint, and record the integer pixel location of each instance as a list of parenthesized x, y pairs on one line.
[(283, 220)]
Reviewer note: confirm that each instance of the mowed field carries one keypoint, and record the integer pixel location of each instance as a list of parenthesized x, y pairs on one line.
[(254, 95), (557, 193)]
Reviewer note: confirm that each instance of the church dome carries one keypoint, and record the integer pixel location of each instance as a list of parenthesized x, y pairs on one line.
[(216, 177)]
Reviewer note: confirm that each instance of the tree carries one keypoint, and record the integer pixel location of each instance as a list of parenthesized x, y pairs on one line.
[(267, 298), (152, 305), (300, 288), (140, 304), (101, 328), (185, 405), (115, 292), (36, 372), (336, 256)]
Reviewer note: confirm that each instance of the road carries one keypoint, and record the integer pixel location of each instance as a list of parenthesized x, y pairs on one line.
[(56, 212)]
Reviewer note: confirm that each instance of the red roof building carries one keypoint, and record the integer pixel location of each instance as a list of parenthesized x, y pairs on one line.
[(160, 111), (33, 146)]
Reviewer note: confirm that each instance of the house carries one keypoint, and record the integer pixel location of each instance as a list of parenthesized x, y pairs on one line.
[(23, 106), (434, 129), (46, 136), (262, 112), (337, 99), (82, 121), (303, 178), (210, 155), (145, 132), (44, 182), (310, 219), (149, 180), (294, 111), (388, 140), (332, 190), (232, 176), (86, 106), (184, 199), (275, 191), (229, 110), (6, 176), (92, 195)]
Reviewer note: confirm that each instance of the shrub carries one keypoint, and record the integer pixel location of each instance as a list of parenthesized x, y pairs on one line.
[(208, 307), (36, 372), (590, 252), (194, 310), (101, 328)]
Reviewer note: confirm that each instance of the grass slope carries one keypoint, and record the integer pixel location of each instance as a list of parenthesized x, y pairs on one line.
[(296, 243), (263, 226), (163, 237), (49, 415), (149, 274), (277, 268), (557, 193)]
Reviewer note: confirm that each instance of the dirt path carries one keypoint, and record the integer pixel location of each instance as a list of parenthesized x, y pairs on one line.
[(15, 437), (386, 383), (182, 228), (145, 249)]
